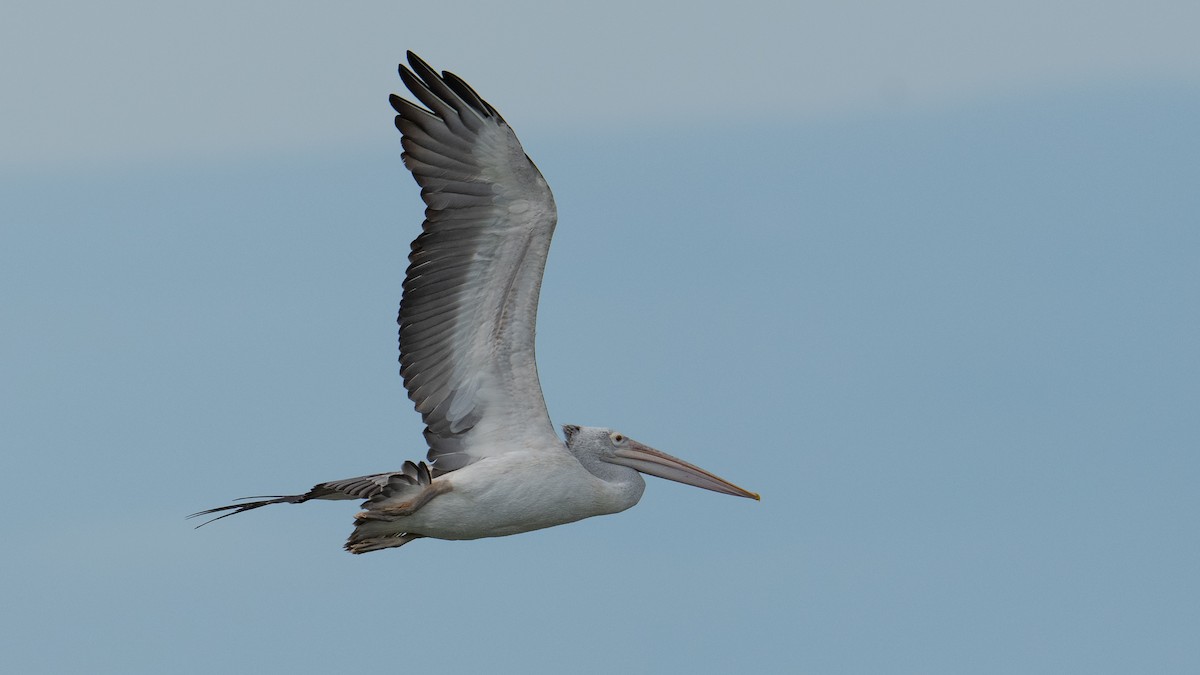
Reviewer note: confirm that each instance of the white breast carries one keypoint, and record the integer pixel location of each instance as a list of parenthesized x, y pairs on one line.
[(512, 493)]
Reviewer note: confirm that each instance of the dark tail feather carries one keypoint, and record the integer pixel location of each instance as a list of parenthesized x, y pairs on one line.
[(362, 487), (411, 479), (235, 509)]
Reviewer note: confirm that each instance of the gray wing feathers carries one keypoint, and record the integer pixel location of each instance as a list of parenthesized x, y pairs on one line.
[(468, 314)]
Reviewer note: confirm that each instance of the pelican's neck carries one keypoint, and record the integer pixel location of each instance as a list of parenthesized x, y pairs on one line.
[(621, 486)]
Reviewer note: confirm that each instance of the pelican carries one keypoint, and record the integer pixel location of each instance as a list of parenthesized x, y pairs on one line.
[(495, 465)]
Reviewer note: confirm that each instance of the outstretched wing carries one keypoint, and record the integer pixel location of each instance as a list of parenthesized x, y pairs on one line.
[(468, 314)]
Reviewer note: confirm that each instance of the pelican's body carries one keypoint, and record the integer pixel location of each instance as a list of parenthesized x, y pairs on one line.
[(467, 322), (510, 494)]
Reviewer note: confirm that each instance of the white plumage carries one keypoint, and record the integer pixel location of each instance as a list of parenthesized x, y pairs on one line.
[(467, 324)]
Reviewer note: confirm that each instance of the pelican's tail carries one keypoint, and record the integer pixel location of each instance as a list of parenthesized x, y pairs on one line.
[(375, 527), (361, 487), (234, 509)]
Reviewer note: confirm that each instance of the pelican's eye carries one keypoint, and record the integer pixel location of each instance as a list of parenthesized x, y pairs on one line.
[(617, 439)]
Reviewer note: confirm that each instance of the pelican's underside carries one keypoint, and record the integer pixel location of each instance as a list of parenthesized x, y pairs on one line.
[(494, 497)]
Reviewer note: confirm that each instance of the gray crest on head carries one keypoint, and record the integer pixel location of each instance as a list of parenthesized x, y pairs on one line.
[(569, 430)]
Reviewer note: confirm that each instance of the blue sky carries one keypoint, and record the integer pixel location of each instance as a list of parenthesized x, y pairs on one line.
[(926, 279)]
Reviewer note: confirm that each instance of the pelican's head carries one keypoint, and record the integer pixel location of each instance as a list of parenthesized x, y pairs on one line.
[(595, 447)]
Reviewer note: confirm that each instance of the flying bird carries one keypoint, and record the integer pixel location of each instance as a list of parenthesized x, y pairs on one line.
[(467, 317)]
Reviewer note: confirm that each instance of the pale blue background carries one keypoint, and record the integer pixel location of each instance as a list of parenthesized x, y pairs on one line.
[(926, 275)]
